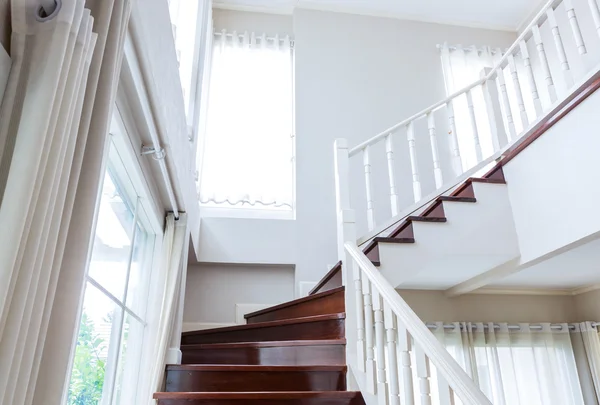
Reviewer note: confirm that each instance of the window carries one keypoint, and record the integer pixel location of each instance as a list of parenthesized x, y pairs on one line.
[(247, 156), (107, 356)]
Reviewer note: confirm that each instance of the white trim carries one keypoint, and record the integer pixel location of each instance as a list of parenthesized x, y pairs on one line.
[(251, 213), (521, 291), (585, 289)]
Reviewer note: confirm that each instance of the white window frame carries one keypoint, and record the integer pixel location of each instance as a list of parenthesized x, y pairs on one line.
[(125, 167)]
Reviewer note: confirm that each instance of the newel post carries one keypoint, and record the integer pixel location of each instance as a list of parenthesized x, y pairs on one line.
[(346, 232)]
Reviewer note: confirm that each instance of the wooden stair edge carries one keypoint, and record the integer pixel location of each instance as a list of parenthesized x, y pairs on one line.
[(274, 343), (253, 368), (297, 301), (330, 274), (257, 395), (267, 324)]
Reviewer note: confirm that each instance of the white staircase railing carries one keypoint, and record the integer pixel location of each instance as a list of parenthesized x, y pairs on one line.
[(530, 63), (386, 331), (384, 334)]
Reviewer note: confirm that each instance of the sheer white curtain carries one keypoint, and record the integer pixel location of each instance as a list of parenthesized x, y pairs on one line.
[(54, 123), (524, 366), (248, 150), (462, 67)]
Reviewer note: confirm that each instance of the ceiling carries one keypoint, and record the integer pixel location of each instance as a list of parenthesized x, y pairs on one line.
[(506, 14), (576, 268)]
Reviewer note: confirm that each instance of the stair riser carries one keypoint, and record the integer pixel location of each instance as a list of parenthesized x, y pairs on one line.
[(329, 304), (326, 329), (269, 356), (243, 381), (307, 401)]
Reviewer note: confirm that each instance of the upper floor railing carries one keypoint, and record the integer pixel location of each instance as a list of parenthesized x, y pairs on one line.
[(540, 57)]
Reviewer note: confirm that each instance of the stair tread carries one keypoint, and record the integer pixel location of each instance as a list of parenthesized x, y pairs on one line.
[(295, 302), (257, 395), (483, 180), (418, 218), (274, 343), (449, 198), (385, 239), (326, 279), (251, 368), (260, 325)]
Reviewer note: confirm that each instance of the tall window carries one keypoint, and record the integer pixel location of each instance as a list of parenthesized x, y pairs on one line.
[(107, 357), (247, 156)]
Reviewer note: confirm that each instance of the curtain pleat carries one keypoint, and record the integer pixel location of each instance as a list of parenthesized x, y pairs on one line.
[(175, 237), (54, 122)]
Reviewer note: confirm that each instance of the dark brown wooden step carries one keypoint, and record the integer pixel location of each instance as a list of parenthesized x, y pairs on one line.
[(245, 378), (261, 398), (293, 352), (306, 328), (328, 302), (331, 280), (275, 353)]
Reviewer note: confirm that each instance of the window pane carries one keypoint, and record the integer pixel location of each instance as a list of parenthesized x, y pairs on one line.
[(141, 265), (112, 242), (129, 362), (91, 354)]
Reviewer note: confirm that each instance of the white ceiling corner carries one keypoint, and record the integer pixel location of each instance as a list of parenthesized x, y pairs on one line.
[(492, 14)]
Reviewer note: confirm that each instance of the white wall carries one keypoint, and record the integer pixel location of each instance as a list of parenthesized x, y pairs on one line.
[(355, 76), (554, 184), (213, 291), (588, 306)]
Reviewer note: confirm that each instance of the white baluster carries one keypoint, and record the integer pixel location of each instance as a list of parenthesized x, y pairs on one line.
[(531, 78), (437, 169), (392, 365), (389, 151), (512, 66), (539, 44), (595, 14), (369, 189), (407, 376), (455, 149), (445, 394), (369, 338), (422, 364), (382, 389), (560, 48), (501, 83), (476, 142), (412, 149), (360, 318), (575, 26), (491, 99)]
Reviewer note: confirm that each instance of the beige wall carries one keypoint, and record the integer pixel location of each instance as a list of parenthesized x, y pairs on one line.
[(435, 306), (5, 24), (588, 306), (212, 291)]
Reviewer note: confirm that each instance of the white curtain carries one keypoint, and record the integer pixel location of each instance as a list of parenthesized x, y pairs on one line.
[(247, 156), (462, 67), (588, 352), (54, 123), (167, 295), (523, 366)]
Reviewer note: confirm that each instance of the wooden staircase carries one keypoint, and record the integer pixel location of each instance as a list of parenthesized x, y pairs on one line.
[(291, 354)]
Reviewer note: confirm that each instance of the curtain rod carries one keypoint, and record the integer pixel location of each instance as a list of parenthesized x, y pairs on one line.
[(511, 327), (241, 36), (469, 48)]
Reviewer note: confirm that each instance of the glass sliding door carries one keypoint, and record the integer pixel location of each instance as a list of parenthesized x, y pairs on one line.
[(107, 357)]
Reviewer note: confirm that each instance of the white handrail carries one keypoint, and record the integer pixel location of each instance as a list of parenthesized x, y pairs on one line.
[(456, 377), (539, 18)]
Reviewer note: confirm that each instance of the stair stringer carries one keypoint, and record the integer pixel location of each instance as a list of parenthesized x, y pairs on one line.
[(477, 237)]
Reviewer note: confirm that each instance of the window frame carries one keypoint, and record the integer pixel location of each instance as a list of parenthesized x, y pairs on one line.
[(125, 171)]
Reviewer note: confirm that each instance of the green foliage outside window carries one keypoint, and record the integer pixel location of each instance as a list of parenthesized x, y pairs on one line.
[(87, 377)]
